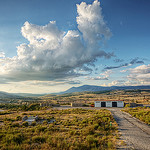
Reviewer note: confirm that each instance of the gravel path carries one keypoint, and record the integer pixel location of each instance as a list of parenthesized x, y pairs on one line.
[(135, 133)]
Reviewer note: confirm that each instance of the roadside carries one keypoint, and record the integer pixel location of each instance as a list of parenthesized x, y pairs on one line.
[(135, 133)]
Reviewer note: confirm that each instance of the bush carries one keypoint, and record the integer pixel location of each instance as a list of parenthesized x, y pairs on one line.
[(18, 118), (25, 124), (45, 122), (38, 139), (127, 105), (15, 125), (110, 144), (33, 123), (14, 138), (91, 141), (41, 128), (89, 130)]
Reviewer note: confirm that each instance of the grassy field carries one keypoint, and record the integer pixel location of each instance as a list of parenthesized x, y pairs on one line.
[(129, 96), (142, 113), (74, 129), (87, 98)]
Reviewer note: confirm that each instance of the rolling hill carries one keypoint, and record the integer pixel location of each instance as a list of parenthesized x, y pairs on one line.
[(92, 88), (8, 95)]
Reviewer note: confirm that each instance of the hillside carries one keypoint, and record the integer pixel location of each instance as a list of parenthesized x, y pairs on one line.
[(8, 95), (92, 88)]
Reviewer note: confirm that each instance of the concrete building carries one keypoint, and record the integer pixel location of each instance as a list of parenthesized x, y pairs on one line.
[(109, 103)]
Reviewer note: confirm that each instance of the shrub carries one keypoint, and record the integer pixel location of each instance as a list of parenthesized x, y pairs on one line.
[(45, 122), (110, 144), (127, 105), (14, 138), (41, 128), (38, 139), (33, 123), (18, 138), (15, 125), (25, 124), (91, 141), (89, 130), (18, 118)]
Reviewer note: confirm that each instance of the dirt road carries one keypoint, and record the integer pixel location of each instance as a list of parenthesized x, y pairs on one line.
[(135, 133)]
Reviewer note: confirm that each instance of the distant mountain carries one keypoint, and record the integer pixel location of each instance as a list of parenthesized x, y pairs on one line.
[(18, 95), (8, 95), (92, 88), (29, 94), (84, 88)]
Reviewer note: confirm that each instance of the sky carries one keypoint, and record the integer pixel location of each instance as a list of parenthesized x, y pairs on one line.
[(50, 46)]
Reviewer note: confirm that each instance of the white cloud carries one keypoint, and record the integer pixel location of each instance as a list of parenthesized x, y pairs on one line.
[(107, 73), (140, 74), (91, 22), (116, 83), (2, 54), (103, 76), (54, 54)]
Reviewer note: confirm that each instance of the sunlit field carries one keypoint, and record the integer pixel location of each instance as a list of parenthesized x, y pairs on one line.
[(72, 129)]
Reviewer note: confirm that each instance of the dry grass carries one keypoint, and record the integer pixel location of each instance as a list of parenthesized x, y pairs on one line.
[(74, 129)]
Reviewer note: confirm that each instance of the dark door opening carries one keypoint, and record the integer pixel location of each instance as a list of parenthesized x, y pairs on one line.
[(114, 104), (103, 104)]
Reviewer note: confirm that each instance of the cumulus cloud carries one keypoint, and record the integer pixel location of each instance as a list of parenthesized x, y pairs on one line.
[(116, 83), (2, 54), (141, 74), (53, 54), (91, 22), (103, 76)]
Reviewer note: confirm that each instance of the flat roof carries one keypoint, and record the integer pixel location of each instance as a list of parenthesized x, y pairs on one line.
[(108, 100)]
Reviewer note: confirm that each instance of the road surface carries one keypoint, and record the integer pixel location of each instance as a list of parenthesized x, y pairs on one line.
[(135, 133)]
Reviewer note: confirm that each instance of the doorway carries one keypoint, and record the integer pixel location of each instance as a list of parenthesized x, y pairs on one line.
[(103, 104), (114, 104)]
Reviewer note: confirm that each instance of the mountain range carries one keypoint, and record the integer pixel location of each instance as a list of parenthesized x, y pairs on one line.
[(93, 88), (8, 95), (87, 88)]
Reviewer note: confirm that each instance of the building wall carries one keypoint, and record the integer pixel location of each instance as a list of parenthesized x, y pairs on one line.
[(120, 104), (109, 103)]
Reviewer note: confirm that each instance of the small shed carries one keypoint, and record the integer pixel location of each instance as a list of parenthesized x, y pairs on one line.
[(109, 103)]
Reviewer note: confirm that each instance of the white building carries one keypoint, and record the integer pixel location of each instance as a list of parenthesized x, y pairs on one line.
[(109, 103)]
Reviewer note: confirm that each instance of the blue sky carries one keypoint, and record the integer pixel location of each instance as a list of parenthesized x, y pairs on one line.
[(121, 56)]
